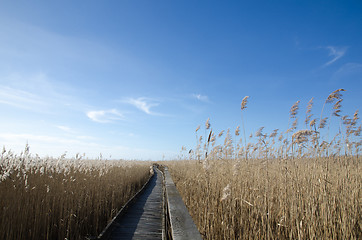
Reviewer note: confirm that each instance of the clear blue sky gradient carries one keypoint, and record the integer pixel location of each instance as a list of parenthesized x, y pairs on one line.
[(133, 79)]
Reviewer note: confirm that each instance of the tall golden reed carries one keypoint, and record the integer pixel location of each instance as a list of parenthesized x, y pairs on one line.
[(298, 186)]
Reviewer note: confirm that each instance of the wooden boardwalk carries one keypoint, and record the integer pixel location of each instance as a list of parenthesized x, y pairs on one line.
[(156, 212), (143, 218)]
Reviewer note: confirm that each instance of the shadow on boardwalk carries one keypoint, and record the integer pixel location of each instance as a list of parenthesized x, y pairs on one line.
[(143, 218)]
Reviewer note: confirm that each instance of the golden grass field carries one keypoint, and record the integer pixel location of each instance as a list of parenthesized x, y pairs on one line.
[(296, 184), (63, 198), (273, 198), (293, 184)]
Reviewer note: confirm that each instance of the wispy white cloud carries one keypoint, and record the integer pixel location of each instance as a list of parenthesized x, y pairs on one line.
[(70, 132), (36, 92), (20, 99), (38, 138), (143, 104), (349, 68), (105, 116), (336, 53), (200, 97), (349, 72), (49, 145), (66, 129)]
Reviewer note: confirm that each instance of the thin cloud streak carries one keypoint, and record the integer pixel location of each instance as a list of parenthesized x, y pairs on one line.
[(38, 93), (349, 68), (45, 144), (65, 129), (20, 98), (73, 133), (143, 104), (336, 53), (42, 138), (105, 116), (349, 72)]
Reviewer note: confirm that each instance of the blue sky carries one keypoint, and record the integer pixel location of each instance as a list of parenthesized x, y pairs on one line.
[(133, 79)]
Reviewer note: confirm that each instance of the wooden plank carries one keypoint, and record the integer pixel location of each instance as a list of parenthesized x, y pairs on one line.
[(182, 225), (143, 218)]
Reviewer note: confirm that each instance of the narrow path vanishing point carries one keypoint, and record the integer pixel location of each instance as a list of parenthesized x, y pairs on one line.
[(143, 218), (156, 212)]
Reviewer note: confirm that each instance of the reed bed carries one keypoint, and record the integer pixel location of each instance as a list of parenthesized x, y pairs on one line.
[(292, 184), (59, 198)]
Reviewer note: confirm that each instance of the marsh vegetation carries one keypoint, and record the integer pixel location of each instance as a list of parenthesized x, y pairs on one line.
[(292, 184)]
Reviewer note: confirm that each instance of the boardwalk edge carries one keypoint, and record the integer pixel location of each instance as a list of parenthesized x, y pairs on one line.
[(182, 225), (108, 229)]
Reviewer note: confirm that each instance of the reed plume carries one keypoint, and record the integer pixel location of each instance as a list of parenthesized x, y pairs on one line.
[(244, 102), (294, 109), (308, 112), (243, 107)]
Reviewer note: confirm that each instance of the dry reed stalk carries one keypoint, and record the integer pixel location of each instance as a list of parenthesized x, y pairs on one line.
[(63, 198), (313, 193), (308, 114), (243, 107), (222, 213)]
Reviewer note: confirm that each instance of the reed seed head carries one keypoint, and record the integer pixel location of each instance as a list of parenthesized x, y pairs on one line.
[(301, 136), (336, 95), (337, 108), (259, 132), (294, 109), (310, 105), (323, 122), (198, 128), (207, 124), (244, 102), (313, 122), (237, 131), (355, 118), (226, 192), (309, 109), (274, 133)]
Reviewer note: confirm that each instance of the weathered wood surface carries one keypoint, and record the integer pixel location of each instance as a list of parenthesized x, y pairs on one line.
[(182, 225), (157, 212), (143, 218)]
